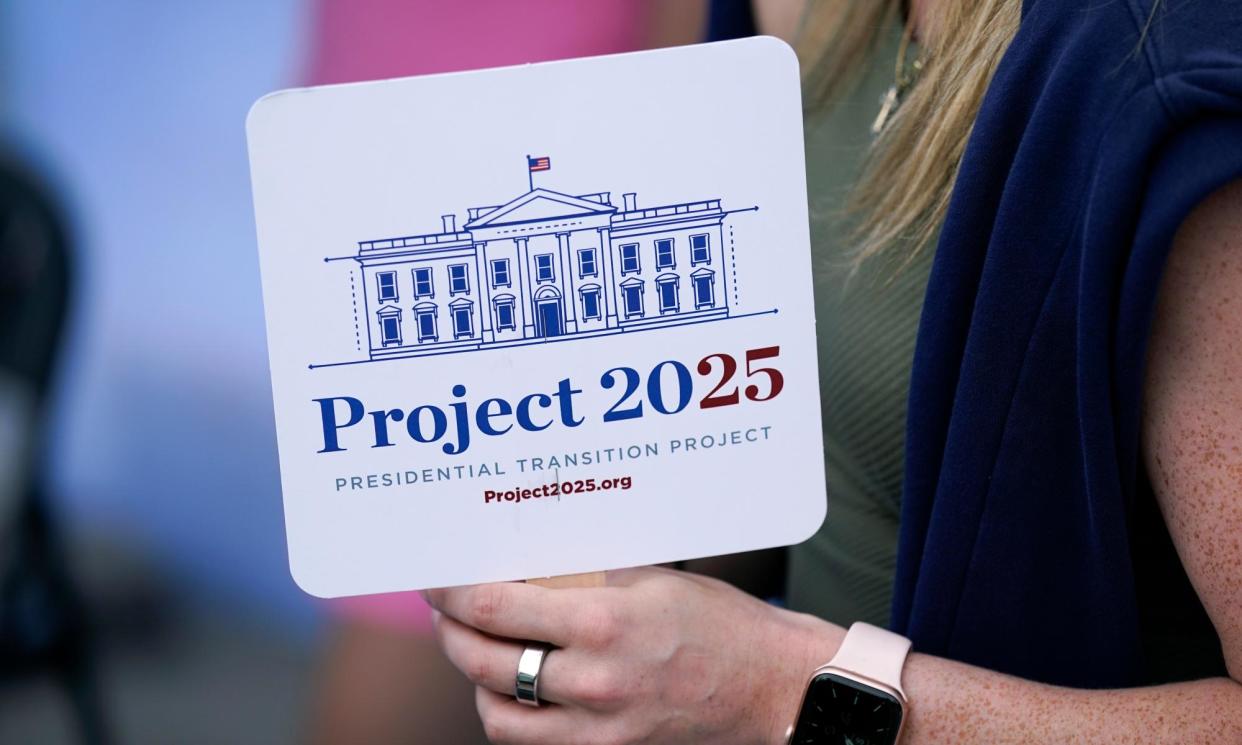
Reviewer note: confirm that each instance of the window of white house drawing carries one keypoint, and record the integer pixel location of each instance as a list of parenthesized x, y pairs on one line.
[(704, 283), (463, 318), (667, 288), (387, 282), (504, 313), (700, 249), (664, 254), (543, 268), (590, 302), (586, 263), (390, 328), (629, 258), (459, 282), (500, 273), (422, 283), (425, 321), (632, 297)]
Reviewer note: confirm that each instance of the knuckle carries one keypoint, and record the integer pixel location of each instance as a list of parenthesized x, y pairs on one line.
[(600, 626), (486, 604), (476, 668), (667, 585)]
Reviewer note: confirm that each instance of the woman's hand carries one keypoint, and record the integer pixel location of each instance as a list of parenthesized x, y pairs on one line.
[(657, 656)]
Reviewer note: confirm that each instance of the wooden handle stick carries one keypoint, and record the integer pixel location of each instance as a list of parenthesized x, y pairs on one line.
[(589, 579)]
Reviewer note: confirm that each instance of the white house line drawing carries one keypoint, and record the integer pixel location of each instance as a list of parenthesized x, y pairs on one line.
[(545, 266)]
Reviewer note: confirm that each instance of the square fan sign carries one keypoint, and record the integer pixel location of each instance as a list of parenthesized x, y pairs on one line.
[(540, 320)]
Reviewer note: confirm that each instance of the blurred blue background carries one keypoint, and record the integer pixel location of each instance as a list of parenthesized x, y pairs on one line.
[(160, 454), (162, 433)]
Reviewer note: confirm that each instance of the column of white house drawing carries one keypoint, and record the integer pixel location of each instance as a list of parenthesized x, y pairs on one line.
[(544, 267)]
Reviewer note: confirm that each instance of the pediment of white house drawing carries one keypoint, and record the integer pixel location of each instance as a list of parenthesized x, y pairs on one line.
[(539, 205)]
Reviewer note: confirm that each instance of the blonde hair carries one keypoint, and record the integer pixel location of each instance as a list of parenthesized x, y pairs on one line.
[(903, 192)]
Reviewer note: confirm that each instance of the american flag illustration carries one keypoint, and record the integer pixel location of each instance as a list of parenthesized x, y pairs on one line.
[(542, 163)]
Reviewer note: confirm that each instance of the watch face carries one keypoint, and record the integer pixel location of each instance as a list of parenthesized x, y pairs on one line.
[(839, 711)]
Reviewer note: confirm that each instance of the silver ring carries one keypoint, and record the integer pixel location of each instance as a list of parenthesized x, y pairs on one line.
[(526, 685)]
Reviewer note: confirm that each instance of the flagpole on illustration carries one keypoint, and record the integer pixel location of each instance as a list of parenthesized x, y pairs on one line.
[(542, 163)]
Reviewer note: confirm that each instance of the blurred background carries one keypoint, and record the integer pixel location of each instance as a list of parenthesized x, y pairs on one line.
[(144, 589)]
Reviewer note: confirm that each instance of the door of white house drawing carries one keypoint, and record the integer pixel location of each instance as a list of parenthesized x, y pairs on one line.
[(549, 317)]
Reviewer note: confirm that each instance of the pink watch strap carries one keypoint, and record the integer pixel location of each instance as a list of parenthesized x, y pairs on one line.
[(873, 653)]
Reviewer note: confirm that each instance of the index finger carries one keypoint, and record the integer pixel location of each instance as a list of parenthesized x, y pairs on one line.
[(520, 611)]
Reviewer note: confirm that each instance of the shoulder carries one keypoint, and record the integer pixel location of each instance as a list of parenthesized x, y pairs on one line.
[(1199, 309), (1192, 434)]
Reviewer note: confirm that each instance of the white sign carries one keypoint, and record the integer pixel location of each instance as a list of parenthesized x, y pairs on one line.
[(540, 320)]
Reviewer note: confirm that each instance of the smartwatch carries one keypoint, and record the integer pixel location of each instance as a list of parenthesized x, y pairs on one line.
[(856, 699)]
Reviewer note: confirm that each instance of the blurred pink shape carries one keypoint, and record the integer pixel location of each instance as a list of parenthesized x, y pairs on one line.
[(375, 39)]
